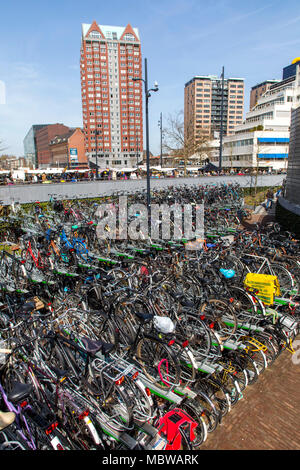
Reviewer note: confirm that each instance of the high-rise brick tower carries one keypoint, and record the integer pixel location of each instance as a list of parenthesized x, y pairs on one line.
[(111, 101)]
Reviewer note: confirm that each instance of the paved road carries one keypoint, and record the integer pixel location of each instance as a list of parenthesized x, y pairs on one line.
[(267, 418), (42, 192)]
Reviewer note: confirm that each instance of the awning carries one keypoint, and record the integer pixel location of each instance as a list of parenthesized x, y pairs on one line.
[(268, 156), (278, 140)]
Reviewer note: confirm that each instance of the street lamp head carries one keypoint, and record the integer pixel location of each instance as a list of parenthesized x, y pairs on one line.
[(155, 86)]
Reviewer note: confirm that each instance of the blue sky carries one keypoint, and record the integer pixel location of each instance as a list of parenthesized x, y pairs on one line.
[(40, 46)]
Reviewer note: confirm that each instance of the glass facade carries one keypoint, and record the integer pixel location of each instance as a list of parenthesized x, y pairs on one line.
[(289, 71), (29, 144)]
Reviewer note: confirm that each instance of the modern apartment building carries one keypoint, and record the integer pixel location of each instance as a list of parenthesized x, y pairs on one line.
[(202, 106), (293, 174), (258, 90), (111, 101), (288, 207), (263, 138)]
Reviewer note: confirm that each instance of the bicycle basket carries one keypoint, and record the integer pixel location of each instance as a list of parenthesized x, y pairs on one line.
[(265, 286), (170, 425)]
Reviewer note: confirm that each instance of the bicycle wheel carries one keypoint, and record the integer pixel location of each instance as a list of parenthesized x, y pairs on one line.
[(142, 403), (249, 367), (257, 353), (116, 405), (209, 413), (4, 267), (270, 351), (103, 327), (195, 412), (219, 395), (158, 363), (52, 355), (187, 363), (285, 278), (194, 330), (125, 310), (20, 276), (81, 251), (228, 381), (235, 363), (243, 305), (222, 315)]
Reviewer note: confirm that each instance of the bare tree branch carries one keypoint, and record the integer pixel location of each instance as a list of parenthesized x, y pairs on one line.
[(1, 146), (180, 140)]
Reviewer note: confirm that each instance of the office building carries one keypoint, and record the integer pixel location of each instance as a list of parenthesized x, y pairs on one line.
[(203, 104), (290, 70), (29, 142), (262, 141), (258, 90), (288, 207)]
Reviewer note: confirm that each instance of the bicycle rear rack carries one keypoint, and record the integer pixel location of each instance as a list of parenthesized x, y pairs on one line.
[(113, 368)]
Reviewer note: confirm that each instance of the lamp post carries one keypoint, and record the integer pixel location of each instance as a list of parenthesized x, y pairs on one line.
[(147, 96), (161, 139), (137, 151), (97, 172)]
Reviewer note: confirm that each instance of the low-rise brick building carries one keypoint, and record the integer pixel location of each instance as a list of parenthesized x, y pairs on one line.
[(43, 137), (68, 150)]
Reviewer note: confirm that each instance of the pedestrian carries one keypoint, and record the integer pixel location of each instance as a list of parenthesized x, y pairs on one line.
[(270, 198)]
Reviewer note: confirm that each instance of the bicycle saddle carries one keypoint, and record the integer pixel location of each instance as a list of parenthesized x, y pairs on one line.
[(19, 392), (182, 300), (93, 346), (144, 317)]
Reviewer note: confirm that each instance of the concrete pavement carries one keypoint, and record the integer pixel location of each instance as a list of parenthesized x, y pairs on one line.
[(26, 193)]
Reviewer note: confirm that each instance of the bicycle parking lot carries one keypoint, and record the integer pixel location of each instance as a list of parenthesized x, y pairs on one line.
[(112, 342)]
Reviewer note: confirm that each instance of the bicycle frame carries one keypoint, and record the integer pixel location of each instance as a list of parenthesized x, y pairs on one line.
[(38, 261), (18, 410), (62, 395), (73, 244)]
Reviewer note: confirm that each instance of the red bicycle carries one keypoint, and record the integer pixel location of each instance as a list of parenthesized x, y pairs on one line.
[(34, 257)]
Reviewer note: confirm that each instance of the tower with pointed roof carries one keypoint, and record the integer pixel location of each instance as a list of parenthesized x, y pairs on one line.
[(111, 101)]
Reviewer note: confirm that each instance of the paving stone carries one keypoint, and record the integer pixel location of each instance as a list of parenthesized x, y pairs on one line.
[(268, 416)]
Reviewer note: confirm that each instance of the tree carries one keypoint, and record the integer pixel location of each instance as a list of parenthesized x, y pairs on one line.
[(1, 146), (182, 143)]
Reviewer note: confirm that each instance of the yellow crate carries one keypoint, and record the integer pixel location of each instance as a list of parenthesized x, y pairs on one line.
[(265, 285), (10, 247)]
